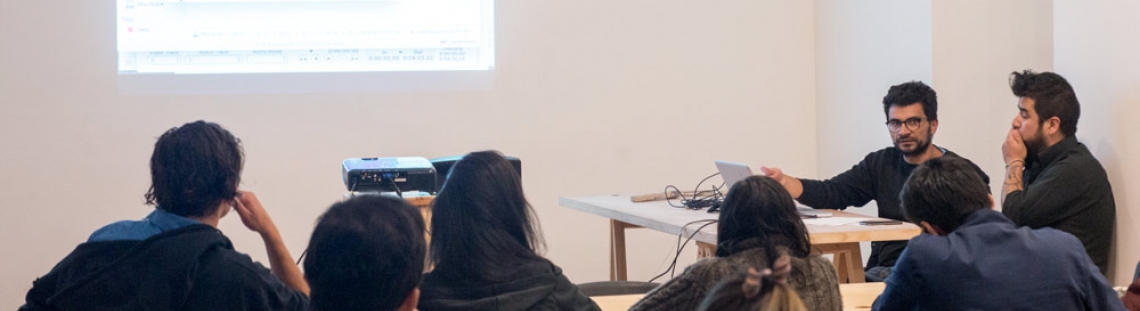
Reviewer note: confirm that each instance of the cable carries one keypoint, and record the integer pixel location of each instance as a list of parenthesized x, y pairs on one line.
[(392, 179), (681, 246), (699, 200)]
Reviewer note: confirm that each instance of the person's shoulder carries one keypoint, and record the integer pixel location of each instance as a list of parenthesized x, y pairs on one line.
[(885, 153), (1078, 159), (926, 246), (1056, 240), (226, 266)]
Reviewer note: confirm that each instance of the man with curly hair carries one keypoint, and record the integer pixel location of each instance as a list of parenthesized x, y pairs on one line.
[(176, 258)]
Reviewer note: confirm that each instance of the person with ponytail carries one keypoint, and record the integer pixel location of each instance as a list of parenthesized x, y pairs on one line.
[(755, 291), (758, 224)]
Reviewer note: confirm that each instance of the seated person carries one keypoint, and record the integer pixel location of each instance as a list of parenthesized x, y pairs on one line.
[(973, 258), (175, 258), (758, 220), (485, 244), (911, 111), (1052, 180), (754, 291), (367, 253)]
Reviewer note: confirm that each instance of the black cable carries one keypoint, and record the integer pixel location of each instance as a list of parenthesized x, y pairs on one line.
[(394, 185), (699, 200), (681, 246)]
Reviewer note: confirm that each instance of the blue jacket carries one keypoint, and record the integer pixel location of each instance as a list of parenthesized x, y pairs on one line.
[(987, 263)]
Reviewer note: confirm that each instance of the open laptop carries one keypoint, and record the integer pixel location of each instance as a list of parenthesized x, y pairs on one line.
[(733, 172)]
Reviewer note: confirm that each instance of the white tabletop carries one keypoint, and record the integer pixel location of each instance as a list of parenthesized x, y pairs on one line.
[(660, 216)]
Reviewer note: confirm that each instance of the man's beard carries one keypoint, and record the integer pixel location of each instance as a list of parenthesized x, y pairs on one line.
[(1035, 144), (920, 146)]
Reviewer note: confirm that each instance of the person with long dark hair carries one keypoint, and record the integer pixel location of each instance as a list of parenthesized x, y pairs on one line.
[(485, 245), (756, 291), (757, 224)]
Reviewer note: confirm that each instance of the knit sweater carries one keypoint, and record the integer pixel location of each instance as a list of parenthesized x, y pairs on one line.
[(812, 277)]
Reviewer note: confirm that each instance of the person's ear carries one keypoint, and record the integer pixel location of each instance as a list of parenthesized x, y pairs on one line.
[(412, 301), (991, 197), (933, 126), (1052, 126), (932, 229)]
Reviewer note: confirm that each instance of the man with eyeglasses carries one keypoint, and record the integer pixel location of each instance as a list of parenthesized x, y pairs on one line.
[(912, 119)]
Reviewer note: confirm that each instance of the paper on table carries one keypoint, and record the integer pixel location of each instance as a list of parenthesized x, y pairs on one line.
[(833, 221)]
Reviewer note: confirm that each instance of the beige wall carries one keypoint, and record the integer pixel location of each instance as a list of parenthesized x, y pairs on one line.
[(1095, 46), (862, 48), (977, 43), (595, 96)]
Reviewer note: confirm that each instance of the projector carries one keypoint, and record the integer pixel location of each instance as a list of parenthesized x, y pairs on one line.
[(443, 167), (399, 174)]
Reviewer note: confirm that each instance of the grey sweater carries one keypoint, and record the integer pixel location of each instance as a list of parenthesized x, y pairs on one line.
[(813, 278)]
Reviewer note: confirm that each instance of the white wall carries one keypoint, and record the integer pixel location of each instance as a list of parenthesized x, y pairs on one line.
[(595, 97), (977, 43), (863, 48), (1095, 46)]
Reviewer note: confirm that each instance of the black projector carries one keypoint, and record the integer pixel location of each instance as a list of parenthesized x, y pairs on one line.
[(443, 167), (399, 174)]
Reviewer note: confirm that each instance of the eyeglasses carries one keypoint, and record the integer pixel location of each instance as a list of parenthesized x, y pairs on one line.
[(894, 125)]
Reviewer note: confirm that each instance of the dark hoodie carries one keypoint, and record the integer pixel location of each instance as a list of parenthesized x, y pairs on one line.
[(189, 268), (535, 285)]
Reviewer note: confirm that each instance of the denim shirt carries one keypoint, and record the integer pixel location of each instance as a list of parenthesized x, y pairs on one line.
[(158, 221)]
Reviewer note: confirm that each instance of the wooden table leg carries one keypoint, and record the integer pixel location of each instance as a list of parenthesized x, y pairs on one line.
[(854, 263), (848, 260), (705, 250), (617, 250)]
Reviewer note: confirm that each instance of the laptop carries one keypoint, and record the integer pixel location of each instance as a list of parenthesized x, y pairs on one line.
[(733, 172)]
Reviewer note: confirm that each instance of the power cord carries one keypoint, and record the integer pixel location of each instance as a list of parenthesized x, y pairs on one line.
[(681, 246), (392, 179), (699, 200)]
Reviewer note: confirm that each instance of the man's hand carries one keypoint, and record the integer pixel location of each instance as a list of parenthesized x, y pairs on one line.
[(1014, 147), (253, 214), (1013, 150), (791, 184)]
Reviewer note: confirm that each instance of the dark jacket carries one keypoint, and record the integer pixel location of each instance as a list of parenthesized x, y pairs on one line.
[(812, 277), (535, 285), (190, 268), (988, 263)]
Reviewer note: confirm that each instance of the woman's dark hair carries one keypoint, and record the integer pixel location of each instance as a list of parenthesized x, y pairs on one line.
[(194, 169), (905, 94), (481, 224), (943, 192), (366, 253), (759, 212), (729, 295), (1052, 97)]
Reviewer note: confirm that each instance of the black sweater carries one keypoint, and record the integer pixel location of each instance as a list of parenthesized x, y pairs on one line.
[(880, 177), (1068, 190), (190, 268)]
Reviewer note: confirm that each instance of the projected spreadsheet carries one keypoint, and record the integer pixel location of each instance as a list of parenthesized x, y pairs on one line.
[(250, 36)]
